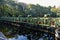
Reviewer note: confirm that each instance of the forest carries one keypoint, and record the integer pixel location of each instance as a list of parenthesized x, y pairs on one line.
[(10, 8)]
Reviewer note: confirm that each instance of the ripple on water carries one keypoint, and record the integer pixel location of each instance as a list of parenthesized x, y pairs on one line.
[(25, 37), (21, 37), (40, 38)]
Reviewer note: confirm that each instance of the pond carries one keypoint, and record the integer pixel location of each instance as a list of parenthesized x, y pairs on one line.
[(16, 33), (31, 37)]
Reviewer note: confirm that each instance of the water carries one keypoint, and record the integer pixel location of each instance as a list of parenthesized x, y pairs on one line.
[(24, 33), (21, 37), (25, 37)]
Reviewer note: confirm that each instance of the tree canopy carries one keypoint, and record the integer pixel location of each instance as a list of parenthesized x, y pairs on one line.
[(11, 8)]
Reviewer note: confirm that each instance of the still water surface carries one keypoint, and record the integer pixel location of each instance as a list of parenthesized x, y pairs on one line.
[(25, 37)]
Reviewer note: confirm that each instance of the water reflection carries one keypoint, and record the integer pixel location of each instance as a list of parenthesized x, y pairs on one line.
[(40, 38), (18, 33), (21, 37), (30, 37)]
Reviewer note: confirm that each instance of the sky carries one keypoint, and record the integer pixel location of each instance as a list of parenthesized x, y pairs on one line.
[(42, 2)]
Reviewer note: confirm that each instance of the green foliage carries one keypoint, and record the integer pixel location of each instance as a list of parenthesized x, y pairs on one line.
[(11, 8)]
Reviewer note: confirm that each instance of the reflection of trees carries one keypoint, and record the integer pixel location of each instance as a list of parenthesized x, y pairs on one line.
[(12, 31), (5, 30)]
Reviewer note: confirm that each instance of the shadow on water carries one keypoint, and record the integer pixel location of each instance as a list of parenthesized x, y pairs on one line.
[(20, 33)]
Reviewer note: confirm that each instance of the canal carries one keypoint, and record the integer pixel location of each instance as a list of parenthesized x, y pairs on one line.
[(20, 33), (32, 37)]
